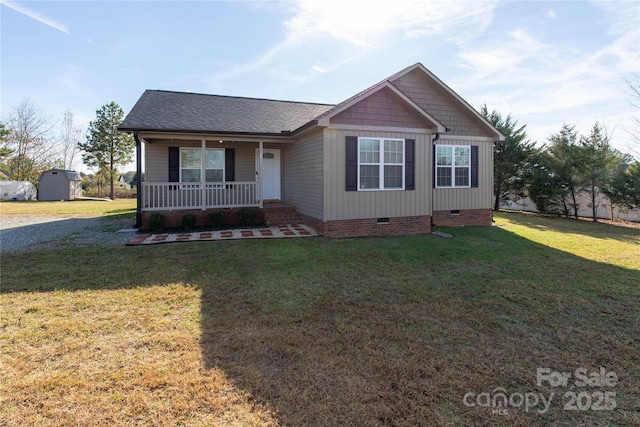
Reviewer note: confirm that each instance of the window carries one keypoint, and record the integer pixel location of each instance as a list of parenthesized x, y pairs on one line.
[(191, 166), (453, 166), (380, 164)]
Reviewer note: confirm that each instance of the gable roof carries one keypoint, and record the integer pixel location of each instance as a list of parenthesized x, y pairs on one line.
[(324, 119), (159, 110), (451, 92), (168, 111)]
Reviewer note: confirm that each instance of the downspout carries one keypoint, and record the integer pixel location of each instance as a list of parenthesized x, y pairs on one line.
[(138, 180), (433, 174)]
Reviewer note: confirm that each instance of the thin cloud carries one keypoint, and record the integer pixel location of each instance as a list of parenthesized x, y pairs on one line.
[(544, 84), (357, 27), (35, 15), (364, 23)]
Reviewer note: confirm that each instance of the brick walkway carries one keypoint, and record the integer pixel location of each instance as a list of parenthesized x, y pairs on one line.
[(274, 232)]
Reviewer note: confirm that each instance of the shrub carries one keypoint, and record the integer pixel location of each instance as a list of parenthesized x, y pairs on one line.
[(247, 216), (216, 219), (188, 222), (157, 221)]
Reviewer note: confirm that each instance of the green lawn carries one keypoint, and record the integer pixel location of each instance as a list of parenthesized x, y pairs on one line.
[(69, 208), (387, 331)]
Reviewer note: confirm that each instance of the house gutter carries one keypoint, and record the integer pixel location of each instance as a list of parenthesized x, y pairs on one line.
[(282, 134), (138, 180)]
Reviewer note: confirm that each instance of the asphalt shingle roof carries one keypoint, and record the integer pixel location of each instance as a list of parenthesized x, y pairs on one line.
[(159, 110)]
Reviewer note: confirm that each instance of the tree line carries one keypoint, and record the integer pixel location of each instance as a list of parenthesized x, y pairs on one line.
[(567, 166), (31, 143)]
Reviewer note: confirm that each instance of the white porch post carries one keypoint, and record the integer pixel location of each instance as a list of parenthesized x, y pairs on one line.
[(203, 172), (261, 181)]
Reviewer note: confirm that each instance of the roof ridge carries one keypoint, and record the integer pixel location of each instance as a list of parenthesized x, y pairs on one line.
[(239, 97)]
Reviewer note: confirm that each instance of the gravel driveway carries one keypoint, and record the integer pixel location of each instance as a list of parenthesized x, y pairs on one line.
[(23, 233)]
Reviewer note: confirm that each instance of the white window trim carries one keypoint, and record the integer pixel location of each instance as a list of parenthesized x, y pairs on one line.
[(452, 167), (196, 186), (381, 164)]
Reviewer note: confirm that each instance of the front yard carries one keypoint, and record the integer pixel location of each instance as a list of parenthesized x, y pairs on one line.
[(391, 331)]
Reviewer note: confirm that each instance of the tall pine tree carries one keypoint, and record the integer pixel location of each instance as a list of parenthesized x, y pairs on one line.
[(106, 148)]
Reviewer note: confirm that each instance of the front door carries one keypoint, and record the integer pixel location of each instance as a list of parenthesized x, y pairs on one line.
[(270, 173)]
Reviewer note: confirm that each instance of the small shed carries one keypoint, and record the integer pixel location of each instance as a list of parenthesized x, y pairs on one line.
[(59, 184), (17, 190)]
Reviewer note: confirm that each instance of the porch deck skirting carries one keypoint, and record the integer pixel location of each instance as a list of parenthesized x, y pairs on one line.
[(166, 196)]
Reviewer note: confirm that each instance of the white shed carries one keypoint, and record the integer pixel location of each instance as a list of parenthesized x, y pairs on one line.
[(17, 190), (59, 184)]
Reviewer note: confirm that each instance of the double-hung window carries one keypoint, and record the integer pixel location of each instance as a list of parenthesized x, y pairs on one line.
[(453, 166), (380, 164), (191, 163)]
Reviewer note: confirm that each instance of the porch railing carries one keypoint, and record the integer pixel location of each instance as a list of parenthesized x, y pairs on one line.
[(160, 196)]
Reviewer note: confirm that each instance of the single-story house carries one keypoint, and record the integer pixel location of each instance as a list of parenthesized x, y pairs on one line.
[(59, 184), (399, 157)]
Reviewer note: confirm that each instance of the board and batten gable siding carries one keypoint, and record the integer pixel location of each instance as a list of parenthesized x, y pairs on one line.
[(302, 175), (440, 104), (480, 197), (157, 158), (382, 108), (340, 204)]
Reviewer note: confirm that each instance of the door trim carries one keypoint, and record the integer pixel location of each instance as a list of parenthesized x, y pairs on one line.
[(278, 152)]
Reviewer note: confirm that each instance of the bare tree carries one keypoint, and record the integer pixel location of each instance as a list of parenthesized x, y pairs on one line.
[(30, 139), (69, 137)]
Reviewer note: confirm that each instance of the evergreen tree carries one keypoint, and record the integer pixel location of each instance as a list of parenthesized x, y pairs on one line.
[(624, 188), (105, 146), (563, 162), (511, 158), (598, 165)]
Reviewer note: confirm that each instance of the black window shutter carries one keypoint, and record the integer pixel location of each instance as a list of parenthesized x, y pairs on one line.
[(174, 164), (474, 166), (230, 164), (409, 164), (352, 163), (433, 183)]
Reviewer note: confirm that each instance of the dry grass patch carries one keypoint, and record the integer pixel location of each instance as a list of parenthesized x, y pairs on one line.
[(96, 357), (320, 332)]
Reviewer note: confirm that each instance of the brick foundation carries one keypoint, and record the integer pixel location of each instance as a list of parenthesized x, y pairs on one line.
[(281, 215), (370, 227), (174, 218), (467, 217)]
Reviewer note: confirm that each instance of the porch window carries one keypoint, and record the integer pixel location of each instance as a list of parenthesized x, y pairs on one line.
[(191, 165), (453, 166), (380, 164)]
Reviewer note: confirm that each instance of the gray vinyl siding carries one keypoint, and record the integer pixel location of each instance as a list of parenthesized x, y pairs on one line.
[(157, 158), (440, 104), (340, 204), (302, 175), (469, 198)]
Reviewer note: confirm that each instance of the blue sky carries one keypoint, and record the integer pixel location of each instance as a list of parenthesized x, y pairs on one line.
[(545, 63)]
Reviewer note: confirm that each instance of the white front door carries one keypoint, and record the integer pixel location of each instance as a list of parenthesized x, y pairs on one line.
[(270, 173)]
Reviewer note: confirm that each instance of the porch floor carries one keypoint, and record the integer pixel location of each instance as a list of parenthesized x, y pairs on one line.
[(272, 232)]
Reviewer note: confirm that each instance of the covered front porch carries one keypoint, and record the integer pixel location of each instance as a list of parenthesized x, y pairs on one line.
[(163, 196), (186, 173)]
